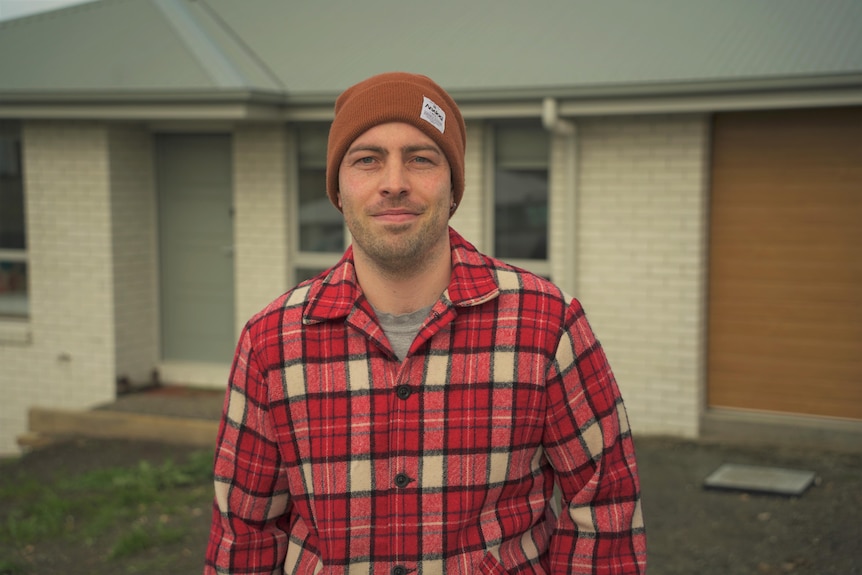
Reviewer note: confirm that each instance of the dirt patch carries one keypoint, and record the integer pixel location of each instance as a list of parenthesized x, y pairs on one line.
[(694, 530), (163, 534), (690, 529)]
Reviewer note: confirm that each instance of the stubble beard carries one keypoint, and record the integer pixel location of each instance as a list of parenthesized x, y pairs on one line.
[(400, 250)]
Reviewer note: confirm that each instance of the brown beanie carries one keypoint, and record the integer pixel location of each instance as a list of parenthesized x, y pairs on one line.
[(397, 97)]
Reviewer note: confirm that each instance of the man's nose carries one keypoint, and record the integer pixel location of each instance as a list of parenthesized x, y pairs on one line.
[(394, 179)]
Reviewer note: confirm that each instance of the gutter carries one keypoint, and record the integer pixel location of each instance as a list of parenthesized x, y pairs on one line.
[(550, 104)]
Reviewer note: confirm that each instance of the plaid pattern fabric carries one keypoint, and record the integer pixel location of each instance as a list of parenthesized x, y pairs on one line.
[(334, 458)]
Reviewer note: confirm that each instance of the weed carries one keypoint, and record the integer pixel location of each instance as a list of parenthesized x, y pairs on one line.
[(141, 539), (91, 504), (10, 568)]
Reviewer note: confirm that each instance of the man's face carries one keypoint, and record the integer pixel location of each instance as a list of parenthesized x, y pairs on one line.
[(395, 190)]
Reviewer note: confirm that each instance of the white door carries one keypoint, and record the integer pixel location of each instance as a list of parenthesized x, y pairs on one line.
[(196, 247)]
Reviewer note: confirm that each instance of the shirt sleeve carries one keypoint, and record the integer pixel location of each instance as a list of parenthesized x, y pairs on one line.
[(600, 529), (250, 511)]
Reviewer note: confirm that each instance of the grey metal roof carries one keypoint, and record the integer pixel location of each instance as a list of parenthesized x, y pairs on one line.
[(308, 51), (122, 48)]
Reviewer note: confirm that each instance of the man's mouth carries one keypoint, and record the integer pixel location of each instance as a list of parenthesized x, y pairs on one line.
[(395, 216)]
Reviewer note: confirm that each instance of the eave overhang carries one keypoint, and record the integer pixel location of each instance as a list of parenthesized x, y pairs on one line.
[(249, 106)]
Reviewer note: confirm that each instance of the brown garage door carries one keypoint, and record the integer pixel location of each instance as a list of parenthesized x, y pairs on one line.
[(785, 278)]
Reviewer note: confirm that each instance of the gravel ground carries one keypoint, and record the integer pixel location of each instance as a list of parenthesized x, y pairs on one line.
[(690, 529)]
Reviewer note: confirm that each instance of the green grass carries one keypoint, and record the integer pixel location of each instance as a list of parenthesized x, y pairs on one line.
[(10, 567), (141, 539), (137, 509)]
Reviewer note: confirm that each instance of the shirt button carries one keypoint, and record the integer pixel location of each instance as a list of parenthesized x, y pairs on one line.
[(401, 480), (403, 391), (399, 570)]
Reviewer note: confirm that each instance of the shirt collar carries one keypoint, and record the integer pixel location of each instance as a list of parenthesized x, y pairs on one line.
[(335, 294)]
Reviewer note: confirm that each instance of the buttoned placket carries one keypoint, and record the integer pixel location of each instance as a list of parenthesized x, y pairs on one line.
[(402, 465), (407, 392), (403, 392)]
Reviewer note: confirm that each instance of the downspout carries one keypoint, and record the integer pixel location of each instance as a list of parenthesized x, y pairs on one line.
[(553, 122), (565, 258)]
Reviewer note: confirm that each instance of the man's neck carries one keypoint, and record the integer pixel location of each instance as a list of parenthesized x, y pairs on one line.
[(399, 294)]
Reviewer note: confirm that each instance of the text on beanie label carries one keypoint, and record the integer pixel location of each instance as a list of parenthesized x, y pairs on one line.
[(433, 114)]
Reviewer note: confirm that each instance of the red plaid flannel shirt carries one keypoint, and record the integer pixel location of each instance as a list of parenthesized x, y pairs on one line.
[(334, 457)]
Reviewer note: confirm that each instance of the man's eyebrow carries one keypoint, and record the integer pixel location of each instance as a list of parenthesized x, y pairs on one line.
[(422, 148), (366, 148)]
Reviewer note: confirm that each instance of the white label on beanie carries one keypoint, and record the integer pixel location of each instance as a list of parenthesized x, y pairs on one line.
[(433, 114)]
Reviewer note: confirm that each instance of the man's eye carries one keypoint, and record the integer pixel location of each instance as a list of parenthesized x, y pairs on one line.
[(365, 160)]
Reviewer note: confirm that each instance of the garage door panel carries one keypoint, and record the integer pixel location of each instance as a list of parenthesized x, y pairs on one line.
[(779, 399), (749, 265), (794, 346), (785, 318), (795, 384), (833, 299), (828, 381), (792, 323)]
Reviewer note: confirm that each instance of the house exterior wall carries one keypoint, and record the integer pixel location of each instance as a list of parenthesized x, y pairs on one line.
[(641, 260), (261, 225), (635, 186), (134, 251), (68, 357), (563, 199), (627, 236), (469, 220)]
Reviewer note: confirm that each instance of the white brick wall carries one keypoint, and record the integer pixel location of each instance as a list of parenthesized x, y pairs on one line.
[(641, 234), (261, 155), (470, 220), (562, 240), (17, 361), (133, 211), (70, 359)]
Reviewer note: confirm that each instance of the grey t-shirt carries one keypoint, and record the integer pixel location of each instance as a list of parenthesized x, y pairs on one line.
[(401, 329)]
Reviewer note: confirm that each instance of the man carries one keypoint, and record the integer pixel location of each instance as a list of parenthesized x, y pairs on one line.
[(411, 409)]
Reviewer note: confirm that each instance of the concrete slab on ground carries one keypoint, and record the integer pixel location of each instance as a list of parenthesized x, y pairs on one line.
[(760, 479)]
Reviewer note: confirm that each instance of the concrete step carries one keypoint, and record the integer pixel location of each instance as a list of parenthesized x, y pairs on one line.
[(47, 424)]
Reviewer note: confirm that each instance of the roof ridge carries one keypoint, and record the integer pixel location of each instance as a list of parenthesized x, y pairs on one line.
[(205, 50), (237, 38)]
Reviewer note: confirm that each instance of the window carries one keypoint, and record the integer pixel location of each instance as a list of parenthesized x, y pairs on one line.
[(13, 239), (320, 232), (521, 157)]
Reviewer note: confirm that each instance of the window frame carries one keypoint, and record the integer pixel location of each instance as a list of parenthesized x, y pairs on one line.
[(302, 261), (541, 267), (10, 129)]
